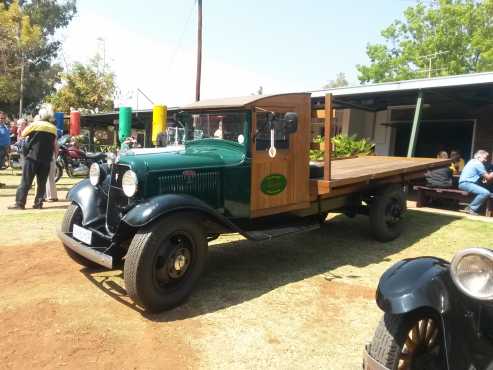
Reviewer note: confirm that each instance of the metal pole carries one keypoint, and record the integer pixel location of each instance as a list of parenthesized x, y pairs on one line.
[(199, 52), (415, 128), (21, 89)]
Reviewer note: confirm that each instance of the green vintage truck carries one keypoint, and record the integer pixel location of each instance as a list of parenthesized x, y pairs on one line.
[(244, 168)]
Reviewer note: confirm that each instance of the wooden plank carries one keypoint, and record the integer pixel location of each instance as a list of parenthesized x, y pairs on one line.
[(280, 209), (328, 137)]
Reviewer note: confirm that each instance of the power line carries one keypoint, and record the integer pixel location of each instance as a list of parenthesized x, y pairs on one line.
[(180, 39)]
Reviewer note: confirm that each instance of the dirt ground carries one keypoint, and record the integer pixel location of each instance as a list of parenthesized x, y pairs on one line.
[(302, 302)]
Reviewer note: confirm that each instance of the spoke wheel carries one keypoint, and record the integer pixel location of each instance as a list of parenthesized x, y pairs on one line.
[(408, 342), (421, 346)]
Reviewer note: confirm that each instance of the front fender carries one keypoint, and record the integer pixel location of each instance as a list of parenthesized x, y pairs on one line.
[(415, 283), (155, 207), (91, 199)]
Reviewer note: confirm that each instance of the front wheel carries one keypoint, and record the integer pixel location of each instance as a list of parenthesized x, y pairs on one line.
[(59, 172), (164, 261), (386, 213), (408, 342)]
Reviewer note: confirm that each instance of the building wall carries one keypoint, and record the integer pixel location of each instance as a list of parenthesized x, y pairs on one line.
[(484, 130)]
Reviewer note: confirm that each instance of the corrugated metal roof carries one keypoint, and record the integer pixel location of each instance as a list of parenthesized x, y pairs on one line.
[(419, 84)]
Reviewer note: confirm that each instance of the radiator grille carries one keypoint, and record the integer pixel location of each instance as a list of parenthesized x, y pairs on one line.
[(203, 185), (117, 200)]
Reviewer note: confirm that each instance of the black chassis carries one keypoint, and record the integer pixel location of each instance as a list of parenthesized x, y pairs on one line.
[(425, 284)]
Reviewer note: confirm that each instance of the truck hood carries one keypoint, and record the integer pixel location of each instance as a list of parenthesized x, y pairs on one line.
[(206, 154)]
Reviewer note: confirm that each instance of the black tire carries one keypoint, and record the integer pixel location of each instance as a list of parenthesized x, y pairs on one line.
[(73, 215), (151, 276), (386, 212), (391, 344), (59, 172)]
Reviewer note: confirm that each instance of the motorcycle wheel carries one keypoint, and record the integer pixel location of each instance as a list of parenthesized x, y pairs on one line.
[(408, 342), (59, 172)]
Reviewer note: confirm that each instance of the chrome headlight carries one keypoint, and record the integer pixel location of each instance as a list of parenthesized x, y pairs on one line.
[(94, 174), (472, 272), (110, 158), (129, 183)]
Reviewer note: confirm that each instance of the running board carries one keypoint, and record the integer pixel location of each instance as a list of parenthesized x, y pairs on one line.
[(267, 234)]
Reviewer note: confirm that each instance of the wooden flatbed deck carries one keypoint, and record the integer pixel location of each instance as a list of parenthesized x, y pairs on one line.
[(353, 174)]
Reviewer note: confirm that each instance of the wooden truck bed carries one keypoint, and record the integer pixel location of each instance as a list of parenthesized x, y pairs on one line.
[(354, 174)]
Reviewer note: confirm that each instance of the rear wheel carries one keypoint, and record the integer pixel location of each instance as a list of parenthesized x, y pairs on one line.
[(164, 261), (386, 213), (73, 215), (408, 342)]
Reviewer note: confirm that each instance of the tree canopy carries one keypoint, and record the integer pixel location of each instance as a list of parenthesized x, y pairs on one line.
[(34, 46), (88, 87), (340, 81), (453, 36)]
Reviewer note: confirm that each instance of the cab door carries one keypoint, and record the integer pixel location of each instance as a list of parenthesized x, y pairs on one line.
[(280, 184)]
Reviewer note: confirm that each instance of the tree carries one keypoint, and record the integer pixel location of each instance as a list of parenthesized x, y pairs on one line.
[(41, 72), (88, 87), (18, 37), (436, 38), (340, 81)]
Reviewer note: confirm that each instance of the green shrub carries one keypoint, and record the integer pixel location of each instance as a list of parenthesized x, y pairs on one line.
[(344, 146)]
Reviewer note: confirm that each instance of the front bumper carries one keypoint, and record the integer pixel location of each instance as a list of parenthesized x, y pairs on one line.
[(369, 363), (86, 251)]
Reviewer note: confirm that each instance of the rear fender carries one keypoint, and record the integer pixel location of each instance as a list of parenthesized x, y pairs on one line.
[(91, 199)]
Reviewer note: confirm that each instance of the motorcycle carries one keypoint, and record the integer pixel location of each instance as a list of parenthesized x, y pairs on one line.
[(437, 315), (74, 161)]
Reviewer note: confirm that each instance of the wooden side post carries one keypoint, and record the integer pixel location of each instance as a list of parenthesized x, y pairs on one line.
[(415, 129), (328, 137)]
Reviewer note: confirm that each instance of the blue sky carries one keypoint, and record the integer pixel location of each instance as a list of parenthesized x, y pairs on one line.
[(281, 45)]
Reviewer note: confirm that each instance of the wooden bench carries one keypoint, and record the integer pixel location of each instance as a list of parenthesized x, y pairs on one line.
[(426, 193)]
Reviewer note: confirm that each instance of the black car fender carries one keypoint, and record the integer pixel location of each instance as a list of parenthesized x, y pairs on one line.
[(91, 199), (161, 205), (415, 283)]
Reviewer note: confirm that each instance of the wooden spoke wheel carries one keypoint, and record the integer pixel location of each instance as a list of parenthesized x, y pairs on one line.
[(408, 343)]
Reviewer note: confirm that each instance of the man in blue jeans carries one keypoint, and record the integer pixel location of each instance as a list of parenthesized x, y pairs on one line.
[(473, 174)]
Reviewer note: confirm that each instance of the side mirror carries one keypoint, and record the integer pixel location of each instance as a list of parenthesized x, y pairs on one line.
[(290, 122)]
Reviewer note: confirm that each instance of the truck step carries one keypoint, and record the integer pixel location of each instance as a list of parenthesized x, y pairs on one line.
[(267, 234)]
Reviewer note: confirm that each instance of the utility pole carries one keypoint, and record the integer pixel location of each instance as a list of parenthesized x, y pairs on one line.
[(199, 51)]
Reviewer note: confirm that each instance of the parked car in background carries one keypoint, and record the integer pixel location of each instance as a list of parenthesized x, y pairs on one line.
[(437, 315)]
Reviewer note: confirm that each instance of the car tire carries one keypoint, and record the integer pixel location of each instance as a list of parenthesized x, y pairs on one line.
[(386, 212), (164, 262), (392, 337), (73, 215)]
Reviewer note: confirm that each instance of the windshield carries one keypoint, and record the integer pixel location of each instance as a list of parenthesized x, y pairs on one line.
[(230, 126)]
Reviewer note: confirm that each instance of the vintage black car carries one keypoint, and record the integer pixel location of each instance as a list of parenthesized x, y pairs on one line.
[(438, 315)]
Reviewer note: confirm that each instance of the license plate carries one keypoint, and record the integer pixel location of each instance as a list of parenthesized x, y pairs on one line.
[(82, 234)]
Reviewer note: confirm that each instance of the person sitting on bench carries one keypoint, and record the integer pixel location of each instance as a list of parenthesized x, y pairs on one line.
[(471, 178), (439, 177)]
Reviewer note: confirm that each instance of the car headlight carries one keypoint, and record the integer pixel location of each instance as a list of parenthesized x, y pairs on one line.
[(94, 174), (129, 183), (472, 272)]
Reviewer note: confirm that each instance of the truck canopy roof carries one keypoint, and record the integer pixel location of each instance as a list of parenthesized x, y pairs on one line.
[(232, 103)]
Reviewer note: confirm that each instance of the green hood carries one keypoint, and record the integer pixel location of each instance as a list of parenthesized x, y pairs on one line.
[(207, 153)]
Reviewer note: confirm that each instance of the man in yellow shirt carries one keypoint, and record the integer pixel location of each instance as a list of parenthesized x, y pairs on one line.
[(457, 164)]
